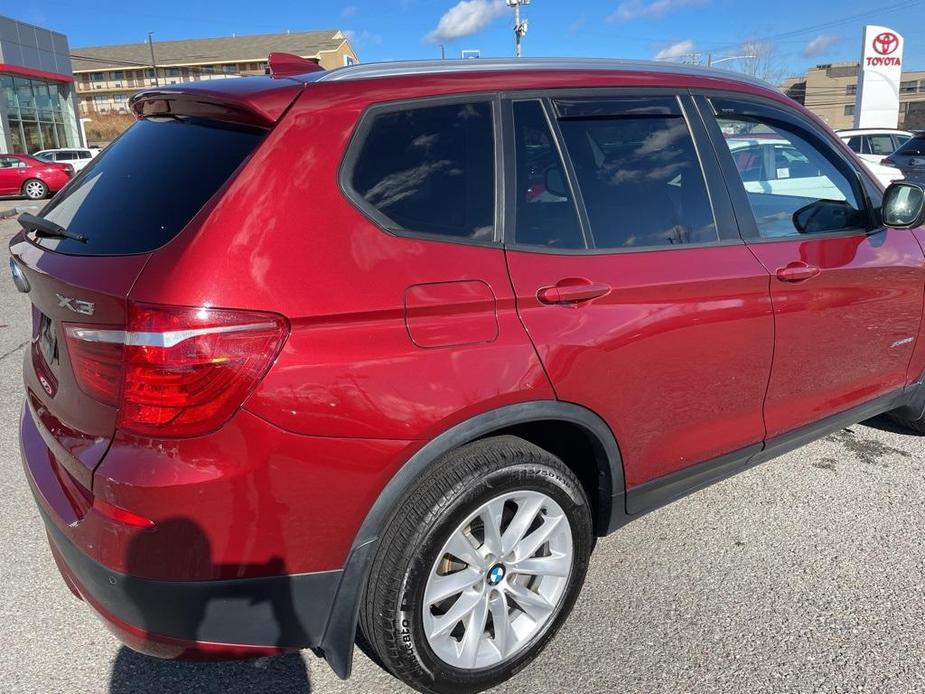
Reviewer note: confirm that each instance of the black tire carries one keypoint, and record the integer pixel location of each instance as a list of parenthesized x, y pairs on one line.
[(34, 189), (391, 612)]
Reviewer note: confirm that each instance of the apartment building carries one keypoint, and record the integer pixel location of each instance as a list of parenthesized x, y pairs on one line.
[(830, 90), (106, 76)]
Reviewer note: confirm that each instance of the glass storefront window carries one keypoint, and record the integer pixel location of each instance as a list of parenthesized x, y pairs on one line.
[(42, 100), (40, 115), (33, 137), (8, 93), (49, 136), (17, 144), (25, 97)]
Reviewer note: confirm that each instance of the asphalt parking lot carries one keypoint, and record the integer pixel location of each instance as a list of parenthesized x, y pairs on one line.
[(804, 575)]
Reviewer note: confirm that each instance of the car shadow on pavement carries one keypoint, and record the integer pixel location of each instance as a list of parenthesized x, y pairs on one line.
[(133, 673), (202, 616), (884, 422)]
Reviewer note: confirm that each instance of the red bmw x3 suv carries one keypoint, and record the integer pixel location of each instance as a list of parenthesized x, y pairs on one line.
[(375, 354)]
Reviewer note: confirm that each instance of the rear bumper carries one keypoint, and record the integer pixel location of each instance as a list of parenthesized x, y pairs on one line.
[(234, 565), (223, 618), (56, 180)]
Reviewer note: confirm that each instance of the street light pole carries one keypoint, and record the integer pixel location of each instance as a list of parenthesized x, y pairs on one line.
[(153, 61), (520, 27)]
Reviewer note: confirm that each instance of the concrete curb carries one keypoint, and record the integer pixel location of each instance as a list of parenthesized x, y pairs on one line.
[(13, 211)]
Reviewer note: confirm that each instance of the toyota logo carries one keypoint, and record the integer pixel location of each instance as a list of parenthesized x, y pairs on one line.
[(886, 43)]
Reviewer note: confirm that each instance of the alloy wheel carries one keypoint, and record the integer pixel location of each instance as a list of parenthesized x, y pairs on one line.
[(35, 190), (498, 580)]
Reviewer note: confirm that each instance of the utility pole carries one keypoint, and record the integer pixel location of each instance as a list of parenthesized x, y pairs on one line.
[(442, 52), (153, 61), (520, 27)]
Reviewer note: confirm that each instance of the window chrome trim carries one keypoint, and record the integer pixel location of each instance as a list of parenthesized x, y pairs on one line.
[(168, 339)]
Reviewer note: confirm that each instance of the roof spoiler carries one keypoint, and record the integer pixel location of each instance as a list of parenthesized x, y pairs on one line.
[(287, 64)]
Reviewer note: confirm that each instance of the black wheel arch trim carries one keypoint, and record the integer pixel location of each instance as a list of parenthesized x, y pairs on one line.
[(340, 631)]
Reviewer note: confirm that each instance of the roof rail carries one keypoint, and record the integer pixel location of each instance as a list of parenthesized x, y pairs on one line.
[(428, 67)]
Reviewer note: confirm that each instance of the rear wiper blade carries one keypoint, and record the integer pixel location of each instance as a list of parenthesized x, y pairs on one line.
[(48, 228)]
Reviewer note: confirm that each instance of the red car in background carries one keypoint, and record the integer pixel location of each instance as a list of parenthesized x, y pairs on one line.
[(21, 174)]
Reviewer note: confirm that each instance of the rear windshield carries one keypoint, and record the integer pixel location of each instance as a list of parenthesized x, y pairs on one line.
[(147, 185), (915, 146)]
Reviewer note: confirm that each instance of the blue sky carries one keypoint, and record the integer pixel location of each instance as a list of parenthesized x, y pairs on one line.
[(800, 33)]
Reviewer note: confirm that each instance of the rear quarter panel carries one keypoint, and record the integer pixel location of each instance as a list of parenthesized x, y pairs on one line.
[(284, 238)]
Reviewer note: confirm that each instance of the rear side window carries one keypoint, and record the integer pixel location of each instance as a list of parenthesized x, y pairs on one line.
[(147, 185), (638, 171), (429, 170), (546, 214)]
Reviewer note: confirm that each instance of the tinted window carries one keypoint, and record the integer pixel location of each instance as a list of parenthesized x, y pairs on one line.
[(147, 185), (914, 146), (65, 156), (431, 170), (855, 143), (83, 155), (798, 188), (546, 214), (639, 175)]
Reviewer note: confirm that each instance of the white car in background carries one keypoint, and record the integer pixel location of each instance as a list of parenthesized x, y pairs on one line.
[(873, 144), (776, 166), (78, 157), (777, 176)]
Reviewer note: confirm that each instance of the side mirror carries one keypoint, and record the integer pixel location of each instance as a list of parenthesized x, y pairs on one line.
[(903, 205), (824, 215), (555, 182)]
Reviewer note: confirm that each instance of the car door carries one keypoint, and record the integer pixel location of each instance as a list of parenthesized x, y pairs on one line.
[(631, 279), (847, 293), (11, 176)]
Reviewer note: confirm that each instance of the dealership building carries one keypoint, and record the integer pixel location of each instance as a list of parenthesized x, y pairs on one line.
[(37, 99), (106, 76), (830, 92)]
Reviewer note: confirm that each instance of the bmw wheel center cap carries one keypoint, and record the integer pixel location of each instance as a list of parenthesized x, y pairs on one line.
[(495, 574)]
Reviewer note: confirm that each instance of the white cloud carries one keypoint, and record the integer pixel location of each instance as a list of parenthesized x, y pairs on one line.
[(819, 45), (466, 17), (634, 9), (349, 11), (675, 50), (363, 38)]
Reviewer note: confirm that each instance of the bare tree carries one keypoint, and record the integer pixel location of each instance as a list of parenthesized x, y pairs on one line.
[(762, 62)]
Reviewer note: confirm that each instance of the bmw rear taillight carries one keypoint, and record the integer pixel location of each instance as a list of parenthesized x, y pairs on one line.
[(175, 371)]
